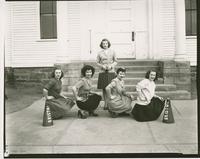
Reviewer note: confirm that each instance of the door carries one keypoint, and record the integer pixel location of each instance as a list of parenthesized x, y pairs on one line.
[(120, 28), (118, 22)]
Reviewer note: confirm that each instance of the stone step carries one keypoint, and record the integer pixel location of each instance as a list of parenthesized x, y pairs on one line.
[(175, 95), (129, 74), (128, 81), (136, 68), (129, 63), (132, 81), (132, 88)]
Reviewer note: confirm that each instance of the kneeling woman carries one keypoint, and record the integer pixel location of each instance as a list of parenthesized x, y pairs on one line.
[(86, 100), (148, 106), (58, 104), (119, 101)]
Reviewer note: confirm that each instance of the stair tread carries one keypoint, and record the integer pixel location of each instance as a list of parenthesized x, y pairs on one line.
[(172, 91), (157, 85)]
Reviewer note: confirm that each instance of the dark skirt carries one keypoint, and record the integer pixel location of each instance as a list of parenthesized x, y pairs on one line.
[(148, 112), (59, 106), (90, 104), (104, 79)]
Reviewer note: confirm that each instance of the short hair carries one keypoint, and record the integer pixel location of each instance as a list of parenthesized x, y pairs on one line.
[(101, 44), (148, 73), (85, 68), (121, 69), (53, 73)]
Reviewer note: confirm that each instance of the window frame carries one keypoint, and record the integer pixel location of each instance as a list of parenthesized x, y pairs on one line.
[(53, 14), (189, 10)]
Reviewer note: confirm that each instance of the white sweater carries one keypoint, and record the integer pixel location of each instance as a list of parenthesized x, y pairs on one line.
[(145, 91)]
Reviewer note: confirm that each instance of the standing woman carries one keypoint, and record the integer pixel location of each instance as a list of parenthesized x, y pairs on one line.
[(58, 104), (119, 101), (86, 100), (106, 60), (148, 106)]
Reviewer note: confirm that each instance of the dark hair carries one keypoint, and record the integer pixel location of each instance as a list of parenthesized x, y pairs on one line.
[(85, 68), (53, 73), (121, 69), (148, 73), (101, 44)]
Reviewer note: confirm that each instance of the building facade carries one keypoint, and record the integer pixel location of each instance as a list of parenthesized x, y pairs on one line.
[(41, 34)]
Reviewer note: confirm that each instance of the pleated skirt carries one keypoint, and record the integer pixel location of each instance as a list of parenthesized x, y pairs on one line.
[(148, 112), (104, 79), (59, 106), (90, 104), (120, 104)]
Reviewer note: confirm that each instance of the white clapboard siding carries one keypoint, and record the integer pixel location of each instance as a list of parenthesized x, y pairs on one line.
[(74, 29), (27, 48), (167, 12), (8, 34), (191, 50)]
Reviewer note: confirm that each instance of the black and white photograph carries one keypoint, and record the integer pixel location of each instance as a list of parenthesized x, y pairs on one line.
[(100, 77)]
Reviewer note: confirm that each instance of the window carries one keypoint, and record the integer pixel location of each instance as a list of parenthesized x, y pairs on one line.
[(48, 20), (191, 17)]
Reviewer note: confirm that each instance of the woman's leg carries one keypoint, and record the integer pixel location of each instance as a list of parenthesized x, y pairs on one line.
[(93, 103), (105, 100)]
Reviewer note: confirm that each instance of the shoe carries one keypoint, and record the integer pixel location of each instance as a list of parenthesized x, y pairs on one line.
[(105, 107), (113, 114), (80, 115), (124, 114), (93, 114)]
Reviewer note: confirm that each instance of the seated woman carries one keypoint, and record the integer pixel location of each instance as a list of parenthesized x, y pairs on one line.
[(148, 106), (58, 104), (86, 100), (119, 101)]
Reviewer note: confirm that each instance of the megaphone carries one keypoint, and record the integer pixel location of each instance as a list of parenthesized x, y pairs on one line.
[(47, 118), (168, 114)]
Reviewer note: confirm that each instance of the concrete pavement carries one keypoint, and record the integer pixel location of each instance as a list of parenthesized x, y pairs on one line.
[(26, 135)]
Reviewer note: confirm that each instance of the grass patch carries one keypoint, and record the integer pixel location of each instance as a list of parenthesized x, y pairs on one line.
[(20, 97)]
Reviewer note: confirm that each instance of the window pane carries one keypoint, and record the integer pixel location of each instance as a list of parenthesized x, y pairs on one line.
[(54, 26), (191, 17), (54, 7), (46, 27), (194, 23), (187, 4), (193, 4), (188, 23), (46, 7)]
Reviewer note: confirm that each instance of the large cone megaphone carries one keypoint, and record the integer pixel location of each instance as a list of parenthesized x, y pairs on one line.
[(168, 114)]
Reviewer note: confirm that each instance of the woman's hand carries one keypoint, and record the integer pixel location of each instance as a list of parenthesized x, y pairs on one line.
[(161, 98), (132, 97), (49, 97), (112, 97), (80, 99), (109, 67), (105, 67)]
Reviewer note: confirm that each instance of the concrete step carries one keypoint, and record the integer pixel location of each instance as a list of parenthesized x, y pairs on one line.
[(129, 63), (129, 74), (136, 68), (132, 81), (132, 88), (175, 95), (140, 74), (128, 81)]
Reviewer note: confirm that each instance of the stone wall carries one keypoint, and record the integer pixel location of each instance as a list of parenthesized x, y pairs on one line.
[(27, 76), (178, 73), (193, 82)]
